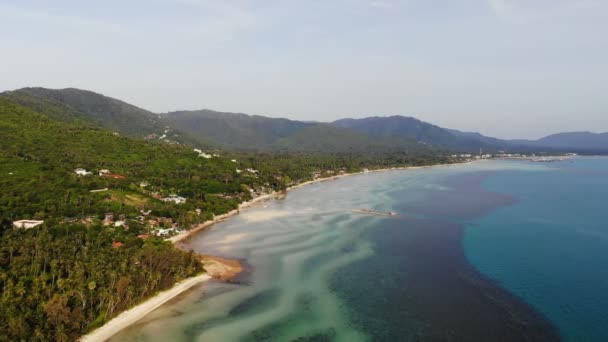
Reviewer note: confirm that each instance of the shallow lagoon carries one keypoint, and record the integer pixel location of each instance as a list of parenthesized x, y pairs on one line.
[(318, 271)]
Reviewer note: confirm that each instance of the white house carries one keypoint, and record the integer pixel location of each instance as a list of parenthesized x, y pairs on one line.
[(27, 224), (233, 160), (103, 172), (204, 155), (82, 172), (165, 232), (175, 199), (238, 171), (119, 224), (252, 171), (198, 151)]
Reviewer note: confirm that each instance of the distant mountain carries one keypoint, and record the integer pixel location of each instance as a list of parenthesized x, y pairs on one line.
[(87, 106), (571, 142), (259, 133), (236, 131), (408, 127)]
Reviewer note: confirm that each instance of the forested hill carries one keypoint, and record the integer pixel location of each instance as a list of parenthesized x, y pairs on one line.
[(72, 273), (205, 128), (258, 133), (400, 126), (112, 114), (235, 130), (572, 142), (253, 132), (100, 248), (242, 132)]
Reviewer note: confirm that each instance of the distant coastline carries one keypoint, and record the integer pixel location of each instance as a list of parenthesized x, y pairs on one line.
[(245, 205)]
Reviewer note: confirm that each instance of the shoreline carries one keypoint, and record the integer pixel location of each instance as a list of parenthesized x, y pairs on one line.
[(220, 218), (139, 311)]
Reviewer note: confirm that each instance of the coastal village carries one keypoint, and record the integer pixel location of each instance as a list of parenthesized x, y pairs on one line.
[(160, 213), (164, 227), (533, 157)]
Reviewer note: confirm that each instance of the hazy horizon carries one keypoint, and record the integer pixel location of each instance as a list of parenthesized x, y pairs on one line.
[(504, 68)]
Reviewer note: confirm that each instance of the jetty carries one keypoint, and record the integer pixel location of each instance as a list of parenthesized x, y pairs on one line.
[(375, 212)]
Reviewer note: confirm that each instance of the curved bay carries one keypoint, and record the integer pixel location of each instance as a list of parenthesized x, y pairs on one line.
[(321, 272)]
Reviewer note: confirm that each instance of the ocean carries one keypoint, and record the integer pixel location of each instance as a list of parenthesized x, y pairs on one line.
[(486, 251)]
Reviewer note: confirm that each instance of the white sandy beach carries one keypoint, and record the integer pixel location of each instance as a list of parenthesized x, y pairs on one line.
[(138, 312), (186, 234)]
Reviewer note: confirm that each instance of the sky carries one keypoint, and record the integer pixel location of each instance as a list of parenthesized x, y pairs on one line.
[(505, 68)]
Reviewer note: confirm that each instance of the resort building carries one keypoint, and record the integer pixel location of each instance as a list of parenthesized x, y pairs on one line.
[(175, 199), (108, 218), (165, 232), (82, 172), (27, 224)]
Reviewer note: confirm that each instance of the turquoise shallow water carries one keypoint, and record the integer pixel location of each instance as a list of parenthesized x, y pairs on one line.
[(481, 252), (551, 247)]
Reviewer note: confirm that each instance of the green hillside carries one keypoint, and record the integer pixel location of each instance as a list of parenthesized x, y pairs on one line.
[(103, 111), (258, 133), (233, 130), (72, 273), (407, 127), (39, 156)]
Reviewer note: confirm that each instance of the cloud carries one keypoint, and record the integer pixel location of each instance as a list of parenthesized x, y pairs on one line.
[(215, 20), (381, 4), (526, 11), (59, 20), (507, 11)]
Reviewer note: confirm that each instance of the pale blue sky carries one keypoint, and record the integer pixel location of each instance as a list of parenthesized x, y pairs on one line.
[(507, 68)]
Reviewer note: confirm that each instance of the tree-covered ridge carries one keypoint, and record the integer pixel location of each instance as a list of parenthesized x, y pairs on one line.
[(72, 273), (408, 127), (39, 156), (102, 111), (258, 133), (235, 130)]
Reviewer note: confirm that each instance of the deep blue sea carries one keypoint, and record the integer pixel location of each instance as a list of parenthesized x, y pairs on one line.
[(487, 251), (550, 247)]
